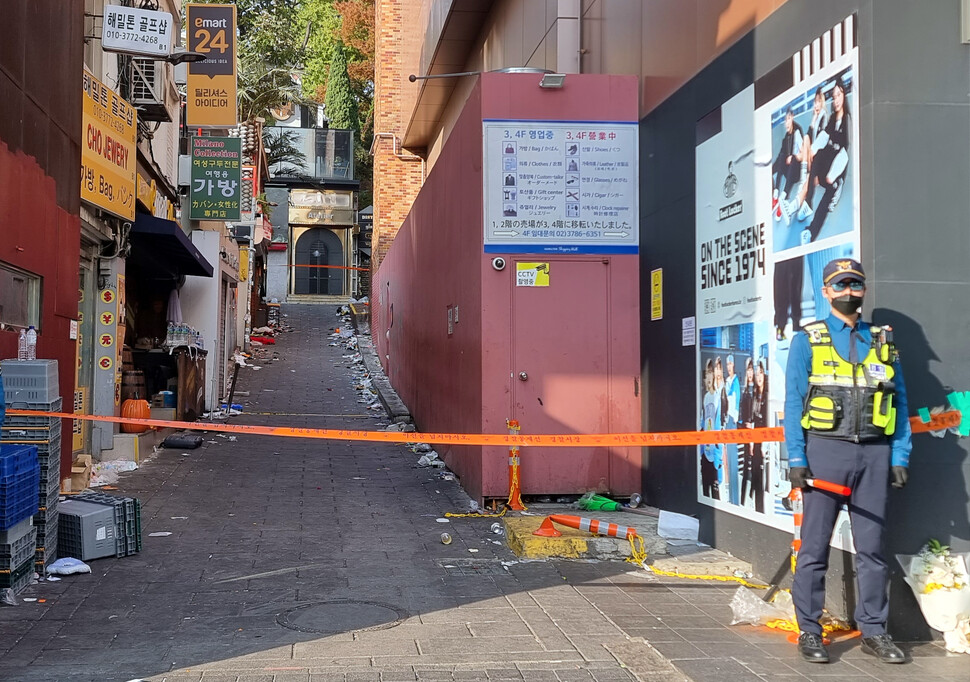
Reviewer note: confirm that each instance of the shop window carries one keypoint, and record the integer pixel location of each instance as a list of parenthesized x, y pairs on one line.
[(19, 297)]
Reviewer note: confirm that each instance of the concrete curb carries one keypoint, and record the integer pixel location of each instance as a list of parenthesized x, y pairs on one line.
[(397, 411)]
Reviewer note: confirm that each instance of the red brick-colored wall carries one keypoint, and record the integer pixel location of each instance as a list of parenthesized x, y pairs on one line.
[(396, 180)]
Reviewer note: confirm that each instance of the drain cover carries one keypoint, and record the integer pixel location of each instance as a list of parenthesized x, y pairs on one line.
[(341, 615)]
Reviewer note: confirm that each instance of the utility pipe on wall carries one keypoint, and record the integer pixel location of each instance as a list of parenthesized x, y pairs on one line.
[(568, 37)]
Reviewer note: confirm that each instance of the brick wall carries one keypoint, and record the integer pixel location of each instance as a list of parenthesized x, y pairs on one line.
[(396, 181)]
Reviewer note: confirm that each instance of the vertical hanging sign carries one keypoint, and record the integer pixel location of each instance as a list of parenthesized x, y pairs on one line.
[(211, 87), (216, 169)]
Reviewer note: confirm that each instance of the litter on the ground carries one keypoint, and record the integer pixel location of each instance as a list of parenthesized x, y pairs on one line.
[(106, 473), (674, 526), (159, 534), (68, 566)]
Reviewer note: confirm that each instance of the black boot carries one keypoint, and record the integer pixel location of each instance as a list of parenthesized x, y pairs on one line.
[(883, 648), (811, 648)]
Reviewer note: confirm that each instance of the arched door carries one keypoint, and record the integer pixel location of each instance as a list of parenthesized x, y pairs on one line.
[(317, 247)]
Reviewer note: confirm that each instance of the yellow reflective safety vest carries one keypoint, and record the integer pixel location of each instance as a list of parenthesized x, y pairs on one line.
[(846, 401)]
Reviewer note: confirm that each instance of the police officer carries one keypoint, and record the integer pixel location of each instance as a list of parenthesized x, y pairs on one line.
[(845, 422)]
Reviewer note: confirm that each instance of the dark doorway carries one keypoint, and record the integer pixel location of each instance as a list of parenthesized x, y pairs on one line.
[(315, 248)]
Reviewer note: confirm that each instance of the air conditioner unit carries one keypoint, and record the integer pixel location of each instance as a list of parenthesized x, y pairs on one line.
[(153, 93)]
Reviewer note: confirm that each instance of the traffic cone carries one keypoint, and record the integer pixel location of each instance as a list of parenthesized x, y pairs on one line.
[(593, 526), (546, 529)]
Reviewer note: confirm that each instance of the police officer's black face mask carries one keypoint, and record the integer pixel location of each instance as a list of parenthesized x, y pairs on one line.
[(847, 304)]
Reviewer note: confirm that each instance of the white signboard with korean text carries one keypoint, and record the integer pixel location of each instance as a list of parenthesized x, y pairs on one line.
[(136, 31), (560, 187)]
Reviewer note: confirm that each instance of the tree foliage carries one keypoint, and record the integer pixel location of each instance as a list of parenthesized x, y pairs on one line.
[(340, 106), (287, 49)]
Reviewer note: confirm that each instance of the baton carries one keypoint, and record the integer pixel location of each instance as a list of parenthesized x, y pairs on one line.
[(843, 490)]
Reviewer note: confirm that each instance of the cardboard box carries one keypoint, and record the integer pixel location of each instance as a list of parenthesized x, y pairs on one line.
[(81, 473)]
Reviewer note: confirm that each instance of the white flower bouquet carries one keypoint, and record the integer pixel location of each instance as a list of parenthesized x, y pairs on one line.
[(941, 584)]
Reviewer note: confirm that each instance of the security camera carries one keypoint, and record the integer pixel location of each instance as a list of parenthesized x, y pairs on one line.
[(498, 263)]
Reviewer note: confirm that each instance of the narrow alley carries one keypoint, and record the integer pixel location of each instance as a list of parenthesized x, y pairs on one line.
[(284, 559)]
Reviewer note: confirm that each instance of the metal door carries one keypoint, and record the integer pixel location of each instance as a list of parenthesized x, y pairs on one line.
[(314, 249), (561, 373)]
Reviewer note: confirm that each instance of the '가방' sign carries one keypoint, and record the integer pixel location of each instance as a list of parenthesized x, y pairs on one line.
[(136, 31), (216, 177), (107, 149), (211, 87)]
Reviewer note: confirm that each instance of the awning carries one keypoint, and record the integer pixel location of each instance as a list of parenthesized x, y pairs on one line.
[(163, 246)]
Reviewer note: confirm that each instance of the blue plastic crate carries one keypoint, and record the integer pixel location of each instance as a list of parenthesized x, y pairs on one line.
[(15, 459), (18, 496)]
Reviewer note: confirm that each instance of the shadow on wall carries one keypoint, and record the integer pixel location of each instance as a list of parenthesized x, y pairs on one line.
[(934, 504)]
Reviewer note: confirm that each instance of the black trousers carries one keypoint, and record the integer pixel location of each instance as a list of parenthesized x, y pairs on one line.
[(788, 292), (753, 475), (709, 479), (790, 172), (864, 467)]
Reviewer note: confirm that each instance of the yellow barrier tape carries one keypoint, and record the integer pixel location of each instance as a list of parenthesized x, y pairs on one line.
[(722, 578)]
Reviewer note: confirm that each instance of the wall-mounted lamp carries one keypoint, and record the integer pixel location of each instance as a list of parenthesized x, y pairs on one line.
[(553, 81), (179, 56)]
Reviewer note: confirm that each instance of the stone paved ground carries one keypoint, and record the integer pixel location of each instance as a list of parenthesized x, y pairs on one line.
[(339, 542)]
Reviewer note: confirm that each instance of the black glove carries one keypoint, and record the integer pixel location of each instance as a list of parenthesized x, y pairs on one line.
[(899, 475), (798, 476)]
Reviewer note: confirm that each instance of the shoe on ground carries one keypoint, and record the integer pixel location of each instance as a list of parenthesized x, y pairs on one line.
[(805, 212), (883, 648), (779, 334), (811, 648)]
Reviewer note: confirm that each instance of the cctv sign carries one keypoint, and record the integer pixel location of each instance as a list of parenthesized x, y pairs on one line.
[(136, 31)]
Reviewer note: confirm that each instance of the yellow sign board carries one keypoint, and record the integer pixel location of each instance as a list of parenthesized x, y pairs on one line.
[(243, 265), (532, 274), (657, 294), (108, 155), (211, 83)]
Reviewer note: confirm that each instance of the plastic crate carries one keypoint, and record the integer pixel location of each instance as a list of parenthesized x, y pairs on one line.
[(40, 406), (47, 517), (49, 499), (15, 459), (17, 531), (16, 420), (127, 515), (46, 553), (30, 380), (19, 578), (18, 497), (15, 553), (29, 434), (86, 530)]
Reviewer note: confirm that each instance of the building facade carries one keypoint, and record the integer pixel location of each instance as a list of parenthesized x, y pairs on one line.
[(725, 274)]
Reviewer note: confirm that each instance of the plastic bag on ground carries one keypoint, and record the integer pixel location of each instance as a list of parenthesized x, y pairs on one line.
[(747, 606), (68, 566)]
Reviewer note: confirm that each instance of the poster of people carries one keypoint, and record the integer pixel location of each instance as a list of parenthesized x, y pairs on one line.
[(777, 192)]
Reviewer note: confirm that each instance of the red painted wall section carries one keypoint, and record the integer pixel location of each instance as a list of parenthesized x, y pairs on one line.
[(434, 263), (39, 236), (462, 382)]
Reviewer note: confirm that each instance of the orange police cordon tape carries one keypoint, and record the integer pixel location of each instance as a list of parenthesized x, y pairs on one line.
[(944, 420)]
